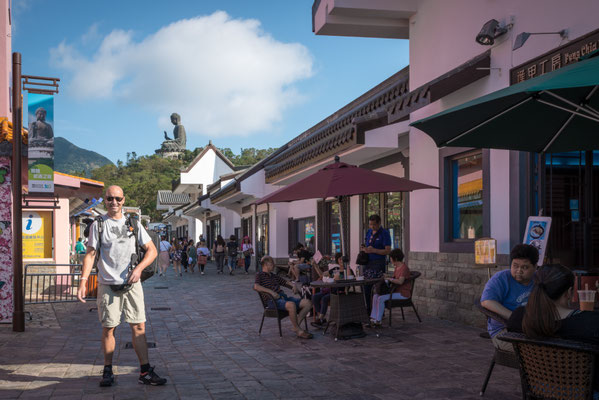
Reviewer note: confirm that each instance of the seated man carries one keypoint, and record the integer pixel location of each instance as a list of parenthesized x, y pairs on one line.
[(509, 289), (302, 264), (267, 281)]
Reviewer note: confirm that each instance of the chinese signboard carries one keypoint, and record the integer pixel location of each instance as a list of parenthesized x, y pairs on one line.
[(41, 143), (37, 234), (556, 59)]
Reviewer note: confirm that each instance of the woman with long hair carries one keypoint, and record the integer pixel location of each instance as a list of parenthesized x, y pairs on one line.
[(218, 249), (247, 250), (548, 313), (177, 254)]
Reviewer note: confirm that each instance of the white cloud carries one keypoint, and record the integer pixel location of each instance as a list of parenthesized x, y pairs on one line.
[(224, 76)]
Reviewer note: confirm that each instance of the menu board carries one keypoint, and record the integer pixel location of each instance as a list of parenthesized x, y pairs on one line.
[(485, 251), (537, 234)]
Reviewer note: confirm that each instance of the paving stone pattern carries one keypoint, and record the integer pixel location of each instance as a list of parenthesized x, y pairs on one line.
[(208, 347)]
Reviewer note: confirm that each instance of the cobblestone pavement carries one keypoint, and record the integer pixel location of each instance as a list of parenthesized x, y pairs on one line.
[(207, 345)]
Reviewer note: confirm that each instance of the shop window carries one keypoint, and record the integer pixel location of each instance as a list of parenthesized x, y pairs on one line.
[(302, 230), (389, 206), (393, 218), (464, 200), (467, 196), (261, 235), (37, 234), (334, 231)]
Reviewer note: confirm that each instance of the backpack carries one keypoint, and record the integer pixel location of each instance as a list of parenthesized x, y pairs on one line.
[(136, 257), (232, 249)]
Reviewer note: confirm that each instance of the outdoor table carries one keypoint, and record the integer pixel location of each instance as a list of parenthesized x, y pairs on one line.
[(346, 307)]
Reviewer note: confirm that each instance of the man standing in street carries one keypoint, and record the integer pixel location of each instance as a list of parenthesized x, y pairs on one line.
[(119, 286), (377, 246)]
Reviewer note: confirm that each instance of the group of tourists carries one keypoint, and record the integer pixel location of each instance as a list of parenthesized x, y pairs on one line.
[(377, 247), (185, 255)]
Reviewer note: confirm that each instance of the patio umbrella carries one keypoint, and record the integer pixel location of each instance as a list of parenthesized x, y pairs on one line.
[(338, 180), (554, 112)]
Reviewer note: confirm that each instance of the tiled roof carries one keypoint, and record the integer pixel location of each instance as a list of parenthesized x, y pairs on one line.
[(388, 102), (168, 198), (337, 132)]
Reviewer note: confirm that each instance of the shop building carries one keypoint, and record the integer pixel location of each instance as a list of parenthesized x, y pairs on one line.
[(482, 193)]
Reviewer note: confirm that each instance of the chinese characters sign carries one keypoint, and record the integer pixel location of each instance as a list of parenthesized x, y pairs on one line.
[(556, 59), (41, 143), (485, 251)]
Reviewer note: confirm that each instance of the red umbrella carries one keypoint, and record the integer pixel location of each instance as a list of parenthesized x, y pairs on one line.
[(340, 179)]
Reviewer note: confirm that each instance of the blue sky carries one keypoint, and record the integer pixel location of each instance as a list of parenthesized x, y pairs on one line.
[(241, 73)]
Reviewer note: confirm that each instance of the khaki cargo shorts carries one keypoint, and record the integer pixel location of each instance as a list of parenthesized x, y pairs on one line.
[(111, 305)]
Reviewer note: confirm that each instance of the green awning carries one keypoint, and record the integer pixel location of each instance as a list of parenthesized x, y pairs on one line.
[(557, 111)]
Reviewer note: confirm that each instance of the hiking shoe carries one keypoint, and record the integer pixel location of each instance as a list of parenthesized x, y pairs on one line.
[(107, 378), (151, 378)]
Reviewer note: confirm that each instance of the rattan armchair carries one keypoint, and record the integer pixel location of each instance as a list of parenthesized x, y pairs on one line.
[(268, 302), (500, 357), (401, 303), (555, 368)]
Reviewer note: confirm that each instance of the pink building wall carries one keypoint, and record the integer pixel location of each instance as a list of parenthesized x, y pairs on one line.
[(441, 38), (6, 300)]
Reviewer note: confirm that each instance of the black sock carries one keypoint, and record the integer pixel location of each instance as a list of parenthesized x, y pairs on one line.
[(145, 368), (109, 367)]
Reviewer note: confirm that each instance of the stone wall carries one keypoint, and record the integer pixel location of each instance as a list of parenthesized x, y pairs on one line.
[(450, 285)]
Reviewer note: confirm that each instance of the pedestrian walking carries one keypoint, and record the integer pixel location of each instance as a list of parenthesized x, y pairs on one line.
[(192, 256), (80, 250), (177, 254), (113, 245), (218, 249), (232, 251), (203, 254), (184, 257), (164, 259), (247, 250)]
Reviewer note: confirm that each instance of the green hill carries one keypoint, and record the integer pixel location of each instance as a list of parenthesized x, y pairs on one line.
[(72, 159)]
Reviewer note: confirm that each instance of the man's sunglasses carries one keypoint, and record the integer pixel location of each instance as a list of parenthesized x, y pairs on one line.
[(111, 198)]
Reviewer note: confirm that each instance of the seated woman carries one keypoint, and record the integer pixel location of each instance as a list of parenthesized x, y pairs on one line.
[(547, 313), (403, 287), (321, 299), (552, 290)]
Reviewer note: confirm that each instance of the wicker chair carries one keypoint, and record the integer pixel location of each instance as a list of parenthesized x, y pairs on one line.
[(500, 357), (273, 312), (401, 303), (555, 368)]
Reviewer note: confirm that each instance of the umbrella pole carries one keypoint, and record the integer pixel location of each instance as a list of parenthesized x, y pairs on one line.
[(342, 236)]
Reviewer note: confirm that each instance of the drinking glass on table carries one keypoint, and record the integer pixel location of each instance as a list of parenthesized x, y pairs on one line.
[(586, 299)]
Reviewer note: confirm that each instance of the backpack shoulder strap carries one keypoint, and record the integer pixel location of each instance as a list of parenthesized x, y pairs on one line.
[(100, 225)]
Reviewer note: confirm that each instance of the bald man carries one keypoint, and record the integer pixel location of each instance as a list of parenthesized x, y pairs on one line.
[(119, 287)]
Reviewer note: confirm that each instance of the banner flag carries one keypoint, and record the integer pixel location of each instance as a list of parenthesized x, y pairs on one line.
[(41, 143)]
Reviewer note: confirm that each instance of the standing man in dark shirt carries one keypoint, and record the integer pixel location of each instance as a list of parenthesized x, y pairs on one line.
[(377, 245), (267, 281)]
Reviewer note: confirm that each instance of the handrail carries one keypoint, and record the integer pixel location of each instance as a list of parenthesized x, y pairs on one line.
[(45, 287)]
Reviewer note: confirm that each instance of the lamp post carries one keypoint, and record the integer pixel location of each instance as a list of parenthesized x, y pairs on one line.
[(18, 317)]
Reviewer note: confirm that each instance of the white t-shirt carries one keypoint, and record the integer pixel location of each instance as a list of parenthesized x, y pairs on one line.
[(246, 246), (118, 244)]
